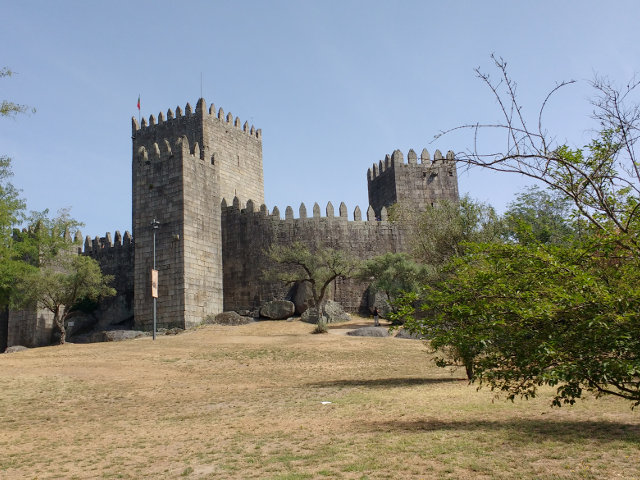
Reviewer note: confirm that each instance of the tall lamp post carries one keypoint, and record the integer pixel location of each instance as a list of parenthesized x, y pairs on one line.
[(154, 277)]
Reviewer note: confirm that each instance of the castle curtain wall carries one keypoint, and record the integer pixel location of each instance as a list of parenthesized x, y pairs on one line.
[(30, 327), (115, 257), (248, 233)]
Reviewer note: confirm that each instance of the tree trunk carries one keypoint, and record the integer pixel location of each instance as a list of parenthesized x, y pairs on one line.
[(321, 310), (468, 366), (58, 324)]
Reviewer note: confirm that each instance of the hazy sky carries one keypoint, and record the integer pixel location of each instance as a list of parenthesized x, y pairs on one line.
[(334, 86)]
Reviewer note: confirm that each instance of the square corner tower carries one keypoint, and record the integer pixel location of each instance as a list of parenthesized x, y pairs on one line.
[(183, 165)]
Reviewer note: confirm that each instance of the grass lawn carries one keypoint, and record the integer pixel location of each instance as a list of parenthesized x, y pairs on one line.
[(246, 402)]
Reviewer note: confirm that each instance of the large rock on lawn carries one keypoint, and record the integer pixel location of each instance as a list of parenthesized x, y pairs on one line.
[(15, 348), (117, 335), (228, 318), (277, 309), (369, 332), (402, 333), (332, 311)]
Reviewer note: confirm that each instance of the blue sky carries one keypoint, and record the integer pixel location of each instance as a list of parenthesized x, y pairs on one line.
[(334, 86)]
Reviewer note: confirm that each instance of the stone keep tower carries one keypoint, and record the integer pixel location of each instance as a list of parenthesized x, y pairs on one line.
[(183, 166), (420, 185)]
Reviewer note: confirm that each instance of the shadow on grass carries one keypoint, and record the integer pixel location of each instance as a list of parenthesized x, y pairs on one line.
[(386, 382), (522, 430)]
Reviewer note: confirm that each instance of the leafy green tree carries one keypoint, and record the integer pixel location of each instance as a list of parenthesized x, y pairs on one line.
[(393, 274), (12, 210), (520, 316), (61, 277), (439, 233), (316, 267), (47, 236), (540, 216)]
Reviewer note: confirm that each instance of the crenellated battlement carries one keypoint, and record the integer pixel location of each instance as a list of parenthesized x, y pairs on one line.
[(396, 159), (178, 119), (115, 255), (237, 208), (163, 149), (99, 244)]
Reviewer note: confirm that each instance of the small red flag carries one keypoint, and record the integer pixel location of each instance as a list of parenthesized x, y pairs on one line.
[(138, 102)]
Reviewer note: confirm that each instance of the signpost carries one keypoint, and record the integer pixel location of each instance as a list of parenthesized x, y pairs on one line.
[(154, 283), (154, 277)]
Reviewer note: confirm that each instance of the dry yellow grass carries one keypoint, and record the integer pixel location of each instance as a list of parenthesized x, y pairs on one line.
[(245, 402)]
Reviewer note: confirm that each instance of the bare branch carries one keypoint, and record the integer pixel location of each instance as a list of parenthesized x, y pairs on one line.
[(541, 135), (599, 178)]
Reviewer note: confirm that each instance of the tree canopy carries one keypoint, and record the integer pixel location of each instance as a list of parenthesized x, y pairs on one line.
[(392, 274), (12, 213), (540, 216), (520, 316), (60, 277), (439, 232)]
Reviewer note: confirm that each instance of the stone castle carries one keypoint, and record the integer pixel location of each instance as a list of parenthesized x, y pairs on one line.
[(199, 173)]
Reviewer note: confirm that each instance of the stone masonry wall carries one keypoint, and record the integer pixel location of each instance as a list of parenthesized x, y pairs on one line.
[(201, 237), (158, 194), (115, 257), (248, 233), (237, 153), (30, 328)]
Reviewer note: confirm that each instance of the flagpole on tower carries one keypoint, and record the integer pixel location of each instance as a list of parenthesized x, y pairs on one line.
[(139, 119)]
